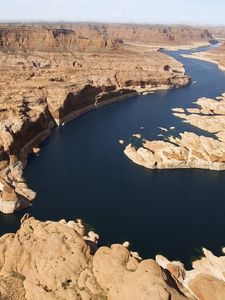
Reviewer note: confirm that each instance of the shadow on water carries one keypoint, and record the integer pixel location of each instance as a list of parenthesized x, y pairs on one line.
[(82, 172)]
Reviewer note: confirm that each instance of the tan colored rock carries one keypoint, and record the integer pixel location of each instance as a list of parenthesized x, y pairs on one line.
[(36, 150), (178, 110), (207, 287), (137, 135), (193, 110), (190, 150), (8, 194), (175, 268), (53, 261)]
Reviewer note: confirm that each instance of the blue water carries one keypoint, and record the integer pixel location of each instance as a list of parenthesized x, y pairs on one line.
[(82, 172)]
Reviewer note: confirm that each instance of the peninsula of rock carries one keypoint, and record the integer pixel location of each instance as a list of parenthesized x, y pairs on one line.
[(188, 150)]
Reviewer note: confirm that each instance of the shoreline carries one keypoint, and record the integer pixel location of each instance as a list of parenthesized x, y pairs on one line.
[(186, 47), (135, 92)]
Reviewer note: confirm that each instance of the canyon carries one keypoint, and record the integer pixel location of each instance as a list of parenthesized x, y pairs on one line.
[(51, 75)]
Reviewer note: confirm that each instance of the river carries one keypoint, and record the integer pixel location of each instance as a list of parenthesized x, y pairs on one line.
[(81, 172)]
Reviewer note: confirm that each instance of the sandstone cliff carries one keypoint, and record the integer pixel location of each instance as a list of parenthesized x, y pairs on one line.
[(49, 38), (148, 34), (160, 35)]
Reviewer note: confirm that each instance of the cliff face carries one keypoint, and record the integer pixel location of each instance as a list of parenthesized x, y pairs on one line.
[(164, 35), (58, 261), (75, 37), (42, 38), (149, 34)]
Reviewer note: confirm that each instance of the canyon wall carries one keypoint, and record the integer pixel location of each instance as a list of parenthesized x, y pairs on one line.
[(89, 37), (48, 38)]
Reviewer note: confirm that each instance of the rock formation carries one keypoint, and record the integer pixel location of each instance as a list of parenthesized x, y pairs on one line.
[(189, 150), (54, 260), (50, 75)]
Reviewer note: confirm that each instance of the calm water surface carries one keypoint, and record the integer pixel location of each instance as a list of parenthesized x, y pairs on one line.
[(82, 172)]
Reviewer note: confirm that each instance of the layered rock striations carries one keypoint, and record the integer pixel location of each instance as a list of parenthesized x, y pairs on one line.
[(56, 260), (49, 38), (50, 75), (189, 150), (160, 35), (94, 36)]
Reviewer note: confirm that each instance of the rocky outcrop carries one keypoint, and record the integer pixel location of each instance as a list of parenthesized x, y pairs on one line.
[(55, 260), (189, 150), (206, 280)]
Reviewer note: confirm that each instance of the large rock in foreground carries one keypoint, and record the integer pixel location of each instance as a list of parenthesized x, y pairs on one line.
[(55, 260)]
